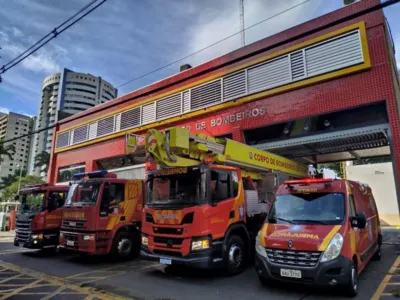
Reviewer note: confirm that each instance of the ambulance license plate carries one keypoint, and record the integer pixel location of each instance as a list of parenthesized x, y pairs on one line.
[(165, 261), (290, 273), (70, 243)]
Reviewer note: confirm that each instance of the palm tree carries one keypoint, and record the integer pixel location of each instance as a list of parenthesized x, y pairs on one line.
[(42, 160), (7, 150)]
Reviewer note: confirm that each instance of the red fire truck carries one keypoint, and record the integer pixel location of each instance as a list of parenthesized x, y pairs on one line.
[(38, 218), (102, 215)]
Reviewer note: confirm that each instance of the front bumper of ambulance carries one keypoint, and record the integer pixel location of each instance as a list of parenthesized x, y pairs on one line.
[(303, 267)]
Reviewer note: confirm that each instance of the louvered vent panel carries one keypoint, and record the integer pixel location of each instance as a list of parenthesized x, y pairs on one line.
[(62, 140), (130, 118), (297, 65), (148, 113), (206, 95), (105, 126), (117, 122), (186, 101), (234, 85), (92, 130), (80, 134), (268, 75), (334, 54), (169, 107)]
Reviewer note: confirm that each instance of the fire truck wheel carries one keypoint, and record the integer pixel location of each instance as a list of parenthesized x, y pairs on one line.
[(351, 289), (235, 255), (123, 246)]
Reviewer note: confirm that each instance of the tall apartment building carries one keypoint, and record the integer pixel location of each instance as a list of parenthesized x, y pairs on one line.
[(14, 125), (63, 94)]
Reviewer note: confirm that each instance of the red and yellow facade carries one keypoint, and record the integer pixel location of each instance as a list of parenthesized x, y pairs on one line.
[(369, 81)]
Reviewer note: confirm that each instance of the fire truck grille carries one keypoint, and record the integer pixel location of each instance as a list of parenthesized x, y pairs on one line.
[(73, 224), (22, 232), (70, 238), (293, 257), (166, 230), (167, 241)]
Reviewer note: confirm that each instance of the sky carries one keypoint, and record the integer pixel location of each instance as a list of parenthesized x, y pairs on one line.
[(124, 39)]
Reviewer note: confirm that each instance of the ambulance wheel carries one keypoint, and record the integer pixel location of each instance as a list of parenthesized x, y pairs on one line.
[(123, 246), (351, 289), (235, 256), (378, 254)]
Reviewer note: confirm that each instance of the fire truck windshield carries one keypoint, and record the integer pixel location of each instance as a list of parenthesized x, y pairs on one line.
[(176, 187), (83, 193), (32, 202), (308, 208)]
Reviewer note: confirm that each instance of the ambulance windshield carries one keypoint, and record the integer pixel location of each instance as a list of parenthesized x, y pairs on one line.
[(176, 187), (309, 208)]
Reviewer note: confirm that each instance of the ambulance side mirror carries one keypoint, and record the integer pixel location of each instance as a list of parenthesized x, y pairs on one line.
[(359, 221)]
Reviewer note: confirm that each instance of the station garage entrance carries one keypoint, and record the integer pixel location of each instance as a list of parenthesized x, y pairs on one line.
[(349, 135)]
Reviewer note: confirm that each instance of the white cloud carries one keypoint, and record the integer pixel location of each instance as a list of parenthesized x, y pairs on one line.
[(214, 26), (17, 33), (4, 110)]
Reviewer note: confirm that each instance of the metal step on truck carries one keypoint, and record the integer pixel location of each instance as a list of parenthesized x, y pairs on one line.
[(207, 198)]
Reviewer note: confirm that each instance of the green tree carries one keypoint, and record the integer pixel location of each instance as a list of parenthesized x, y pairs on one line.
[(6, 150), (42, 160), (11, 191), (9, 179)]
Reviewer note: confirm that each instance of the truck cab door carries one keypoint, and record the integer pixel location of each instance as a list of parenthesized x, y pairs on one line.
[(224, 210), (109, 211), (55, 202)]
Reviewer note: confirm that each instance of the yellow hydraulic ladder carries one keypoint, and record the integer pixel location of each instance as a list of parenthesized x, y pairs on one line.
[(177, 148)]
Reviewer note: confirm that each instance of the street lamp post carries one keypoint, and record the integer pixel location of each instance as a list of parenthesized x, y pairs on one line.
[(19, 180)]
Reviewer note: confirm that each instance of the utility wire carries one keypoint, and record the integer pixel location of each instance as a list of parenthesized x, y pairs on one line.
[(299, 36), (211, 45), (51, 35)]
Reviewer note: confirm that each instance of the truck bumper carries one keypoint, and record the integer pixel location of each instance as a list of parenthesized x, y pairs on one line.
[(47, 240), (326, 274), (79, 242), (206, 259)]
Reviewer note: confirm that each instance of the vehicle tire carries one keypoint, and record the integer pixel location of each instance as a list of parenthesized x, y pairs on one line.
[(378, 254), (235, 255), (123, 246), (351, 289)]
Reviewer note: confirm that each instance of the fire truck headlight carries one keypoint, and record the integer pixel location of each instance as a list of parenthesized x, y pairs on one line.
[(145, 241), (334, 248), (201, 244), (89, 237), (259, 248), (37, 236)]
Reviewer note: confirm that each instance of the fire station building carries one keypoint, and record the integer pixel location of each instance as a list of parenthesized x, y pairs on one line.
[(324, 91)]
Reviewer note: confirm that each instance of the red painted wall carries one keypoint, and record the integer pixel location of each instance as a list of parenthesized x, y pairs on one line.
[(354, 90)]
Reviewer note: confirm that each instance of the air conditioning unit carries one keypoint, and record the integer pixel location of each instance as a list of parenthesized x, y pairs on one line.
[(349, 2)]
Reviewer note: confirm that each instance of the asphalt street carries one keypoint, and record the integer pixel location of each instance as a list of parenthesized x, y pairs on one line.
[(73, 277)]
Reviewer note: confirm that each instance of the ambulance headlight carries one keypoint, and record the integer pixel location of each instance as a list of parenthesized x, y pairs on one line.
[(259, 248), (334, 248)]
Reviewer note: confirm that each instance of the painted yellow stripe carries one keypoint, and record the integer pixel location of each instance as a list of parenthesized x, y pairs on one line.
[(329, 237), (379, 291), (263, 234), (363, 66)]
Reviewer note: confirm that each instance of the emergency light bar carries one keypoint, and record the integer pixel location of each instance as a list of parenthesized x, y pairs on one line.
[(94, 174), (308, 181)]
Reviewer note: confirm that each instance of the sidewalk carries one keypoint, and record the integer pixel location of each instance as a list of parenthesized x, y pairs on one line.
[(7, 234)]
